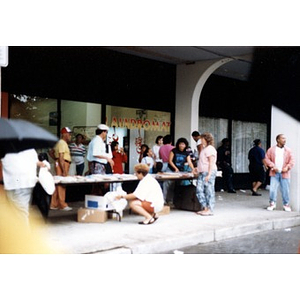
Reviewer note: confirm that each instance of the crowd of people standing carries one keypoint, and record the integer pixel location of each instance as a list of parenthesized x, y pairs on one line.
[(150, 196), (204, 162), (277, 162)]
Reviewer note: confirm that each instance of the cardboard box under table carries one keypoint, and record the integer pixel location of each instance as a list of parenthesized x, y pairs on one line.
[(165, 210), (95, 202), (90, 215), (99, 203)]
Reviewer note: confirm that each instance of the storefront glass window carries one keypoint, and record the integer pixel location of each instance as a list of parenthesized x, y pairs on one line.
[(40, 111), (217, 127), (138, 126), (131, 127), (243, 135), (81, 117)]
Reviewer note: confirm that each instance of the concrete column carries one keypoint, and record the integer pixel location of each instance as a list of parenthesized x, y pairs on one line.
[(290, 127), (190, 79)]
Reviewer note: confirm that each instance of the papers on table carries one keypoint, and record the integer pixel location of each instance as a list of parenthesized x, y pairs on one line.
[(94, 178)]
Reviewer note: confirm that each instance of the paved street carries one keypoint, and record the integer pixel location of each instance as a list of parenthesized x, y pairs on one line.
[(280, 241)]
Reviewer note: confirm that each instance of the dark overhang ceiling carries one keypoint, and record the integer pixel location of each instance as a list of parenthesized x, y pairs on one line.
[(239, 68)]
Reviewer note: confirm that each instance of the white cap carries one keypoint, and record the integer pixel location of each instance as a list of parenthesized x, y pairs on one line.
[(103, 127)]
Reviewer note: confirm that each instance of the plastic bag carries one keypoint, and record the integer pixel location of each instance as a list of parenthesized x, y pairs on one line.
[(46, 180)]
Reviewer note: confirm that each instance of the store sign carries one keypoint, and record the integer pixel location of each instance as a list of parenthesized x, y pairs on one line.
[(146, 124), (3, 56)]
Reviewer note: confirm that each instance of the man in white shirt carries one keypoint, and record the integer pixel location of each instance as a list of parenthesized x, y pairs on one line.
[(280, 160), (279, 152), (99, 153), (197, 138)]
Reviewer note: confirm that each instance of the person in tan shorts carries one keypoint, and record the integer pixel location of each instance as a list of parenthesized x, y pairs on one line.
[(61, 154)]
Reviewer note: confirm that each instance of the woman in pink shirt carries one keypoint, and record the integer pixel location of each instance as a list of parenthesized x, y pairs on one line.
[(207, 169)]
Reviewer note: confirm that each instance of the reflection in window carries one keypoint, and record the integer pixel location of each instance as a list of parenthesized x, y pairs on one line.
[(217, 127), (40, 111), (143, 127), (243, 135)]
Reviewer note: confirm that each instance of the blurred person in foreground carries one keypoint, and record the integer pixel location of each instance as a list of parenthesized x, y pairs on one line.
[(15, 238), (19, 178), (147, 199)]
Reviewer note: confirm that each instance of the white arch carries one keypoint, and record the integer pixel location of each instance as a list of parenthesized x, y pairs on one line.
[(198, 89), (189, 85)]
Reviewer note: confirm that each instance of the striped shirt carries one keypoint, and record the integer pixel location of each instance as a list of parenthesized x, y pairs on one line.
[(78, 153)]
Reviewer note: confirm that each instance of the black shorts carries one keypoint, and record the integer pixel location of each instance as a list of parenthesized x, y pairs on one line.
[(257, 173)]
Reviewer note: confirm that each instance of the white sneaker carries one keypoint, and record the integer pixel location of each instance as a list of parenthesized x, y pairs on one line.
[(67, 208), (286, 208), (272, 206)]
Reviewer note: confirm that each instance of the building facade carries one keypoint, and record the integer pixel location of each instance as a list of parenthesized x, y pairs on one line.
[(140, 98)]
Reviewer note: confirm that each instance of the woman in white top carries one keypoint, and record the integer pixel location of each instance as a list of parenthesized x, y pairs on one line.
[(207, 169), (147, 199), (156, 147), (148, 160)]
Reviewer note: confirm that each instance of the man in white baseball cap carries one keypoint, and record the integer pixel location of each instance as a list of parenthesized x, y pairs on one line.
[(99, 153), (103, 127)]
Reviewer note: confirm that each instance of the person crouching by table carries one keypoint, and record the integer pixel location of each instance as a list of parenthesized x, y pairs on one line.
[(147, 199)]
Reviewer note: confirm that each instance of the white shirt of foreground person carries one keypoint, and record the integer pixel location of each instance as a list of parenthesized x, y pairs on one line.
[(20, 170), (20, 177), (149, 190)]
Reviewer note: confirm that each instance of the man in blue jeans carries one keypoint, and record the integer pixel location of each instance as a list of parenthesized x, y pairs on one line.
[(280, 160)]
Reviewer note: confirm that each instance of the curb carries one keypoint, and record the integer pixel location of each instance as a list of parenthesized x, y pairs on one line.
[(215, 235)]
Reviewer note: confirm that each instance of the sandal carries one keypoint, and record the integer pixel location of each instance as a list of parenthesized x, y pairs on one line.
[(206, 213), (155, 217), (151, 221)]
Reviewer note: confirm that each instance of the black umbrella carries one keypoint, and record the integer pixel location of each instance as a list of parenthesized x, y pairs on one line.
[(17, 135)]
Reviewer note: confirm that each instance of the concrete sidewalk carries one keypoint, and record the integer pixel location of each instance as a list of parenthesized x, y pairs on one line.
[(235, 215)]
